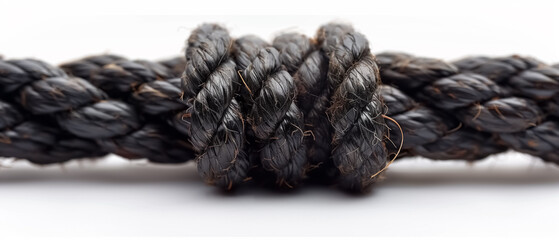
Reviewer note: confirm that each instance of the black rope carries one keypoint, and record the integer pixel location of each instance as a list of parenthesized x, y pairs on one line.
[(297, 109)]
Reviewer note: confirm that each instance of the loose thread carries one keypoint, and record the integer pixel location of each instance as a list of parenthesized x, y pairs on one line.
[(399, 149)]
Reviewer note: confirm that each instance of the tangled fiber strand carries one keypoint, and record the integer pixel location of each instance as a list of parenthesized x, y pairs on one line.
[(84, 111), (215, 121)]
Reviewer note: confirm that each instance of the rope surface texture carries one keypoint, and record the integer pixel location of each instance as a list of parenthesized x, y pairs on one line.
[(282, 113)]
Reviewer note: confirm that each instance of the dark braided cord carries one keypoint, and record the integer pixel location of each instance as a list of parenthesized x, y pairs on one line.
[(464, 110)]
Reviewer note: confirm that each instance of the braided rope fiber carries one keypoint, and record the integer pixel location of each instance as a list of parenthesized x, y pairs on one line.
[(356, 108), (216, 127), (292, 110), (76, 108), (503, 98)]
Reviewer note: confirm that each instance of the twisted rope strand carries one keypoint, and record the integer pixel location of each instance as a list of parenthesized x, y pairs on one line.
[(309, 67), (277, 123), (356, 111), (531, 79), (216, 127), (37, 142), (497, 96), (46, 91), (430, 133), (137, 83), (36, 139)]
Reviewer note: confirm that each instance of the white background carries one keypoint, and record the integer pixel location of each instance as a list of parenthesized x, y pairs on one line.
[(507, 196)]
